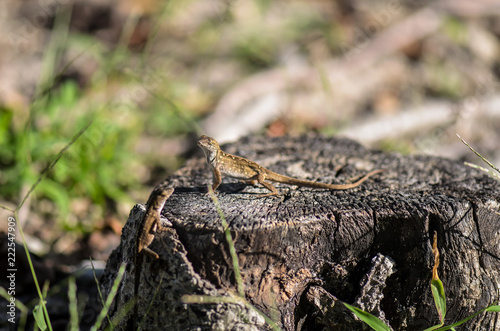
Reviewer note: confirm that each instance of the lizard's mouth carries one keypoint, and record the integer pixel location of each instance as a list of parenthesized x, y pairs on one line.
[(203, 145)]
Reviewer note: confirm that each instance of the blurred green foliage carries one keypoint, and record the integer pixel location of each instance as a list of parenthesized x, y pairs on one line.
[(98, 166)]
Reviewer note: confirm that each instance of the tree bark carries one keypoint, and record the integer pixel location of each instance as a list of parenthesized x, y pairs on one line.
[(304, 252)]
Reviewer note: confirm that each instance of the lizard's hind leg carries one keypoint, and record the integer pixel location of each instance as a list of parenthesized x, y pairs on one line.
[(269, 186)]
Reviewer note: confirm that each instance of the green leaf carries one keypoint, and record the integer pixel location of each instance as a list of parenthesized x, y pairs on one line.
[(39, 317), (374, 322), (494, 308), (439, 298)]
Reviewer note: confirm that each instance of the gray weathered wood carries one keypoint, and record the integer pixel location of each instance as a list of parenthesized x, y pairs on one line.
[(309, 247)]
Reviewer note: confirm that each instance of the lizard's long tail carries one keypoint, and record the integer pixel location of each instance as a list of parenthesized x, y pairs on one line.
[(272, 176)]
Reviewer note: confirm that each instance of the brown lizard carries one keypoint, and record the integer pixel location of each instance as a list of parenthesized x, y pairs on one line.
[(150, 224), (222, 163), (151, 220)]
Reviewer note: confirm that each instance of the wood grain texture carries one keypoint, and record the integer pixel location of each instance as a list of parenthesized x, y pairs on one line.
[(309, 247)]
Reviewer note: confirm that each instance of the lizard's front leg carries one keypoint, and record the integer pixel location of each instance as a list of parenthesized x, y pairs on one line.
[(217, 178)]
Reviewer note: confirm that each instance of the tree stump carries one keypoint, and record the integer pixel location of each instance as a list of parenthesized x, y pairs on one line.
[(304, 252)]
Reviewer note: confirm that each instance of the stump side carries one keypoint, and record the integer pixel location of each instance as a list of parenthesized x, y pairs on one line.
[(321, 238)]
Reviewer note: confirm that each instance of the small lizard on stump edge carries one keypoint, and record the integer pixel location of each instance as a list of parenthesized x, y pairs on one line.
[(150, 224), (222, 163)]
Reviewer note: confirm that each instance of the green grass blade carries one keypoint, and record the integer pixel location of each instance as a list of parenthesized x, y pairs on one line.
[(230, 243), (6, 208), (150, 304), (109, 299), (439, 298), (480, 156), (374, 322), (73, 306), (478, 167), (122, 314), (435, 327), (53, 163), (101, 297), (19, 305), (493, 308)]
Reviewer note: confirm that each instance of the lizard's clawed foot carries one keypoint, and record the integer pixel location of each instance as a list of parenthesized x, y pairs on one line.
[(150, 253)]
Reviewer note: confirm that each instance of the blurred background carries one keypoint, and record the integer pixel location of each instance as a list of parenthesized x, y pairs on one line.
[(402, 76)]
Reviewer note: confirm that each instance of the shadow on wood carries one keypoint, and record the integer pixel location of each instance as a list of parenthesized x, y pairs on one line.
[(304, 252)]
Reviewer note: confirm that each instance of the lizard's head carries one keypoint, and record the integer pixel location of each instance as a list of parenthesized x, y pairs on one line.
[(208, 144)]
